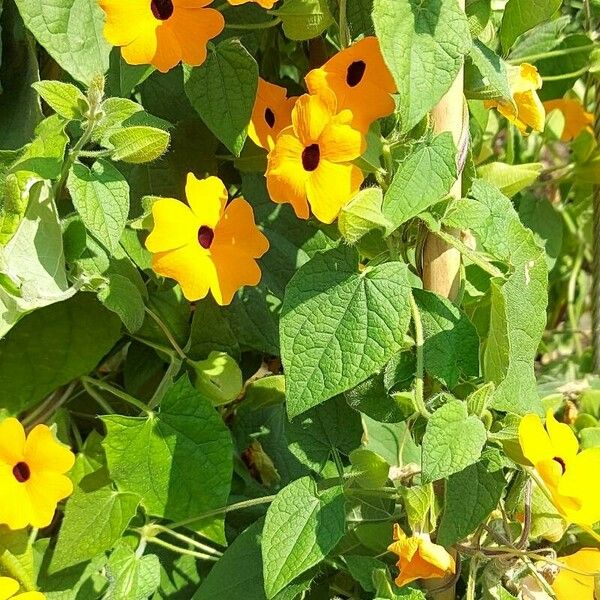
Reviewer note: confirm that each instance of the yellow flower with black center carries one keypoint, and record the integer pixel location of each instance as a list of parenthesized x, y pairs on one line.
[(526, 110), (32, 475), (576, 117), (419, 557), (9, 588), (360, 80), (569, 475), (310, 166), (271, 114), (207, 244), (569, 585), (161, 32)]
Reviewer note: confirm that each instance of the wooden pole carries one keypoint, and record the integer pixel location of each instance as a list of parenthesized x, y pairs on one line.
[(441, 263), (596, 251)]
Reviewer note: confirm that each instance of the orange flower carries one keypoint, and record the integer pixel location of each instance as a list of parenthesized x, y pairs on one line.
[(576, 118), (419, 557), (310, 163), (161, 32), (573, 586), (262, 3), (206, 245), (272, 112), (32, 479), (361, 81)]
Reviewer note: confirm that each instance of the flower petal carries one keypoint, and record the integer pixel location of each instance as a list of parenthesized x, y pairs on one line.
[(175, 225), (330, 187), (311, 115), (234, 270), (44, 453), (237, 230), (341, 143), (207, 199), (45, 490), (8, 588), (141, 50), (581, 483), (286, 178), (12, 442), (191, 266), (531, 111), (168, 49), (15, 508), (562, 438), (569, 585), (534, 440), (127, 21)]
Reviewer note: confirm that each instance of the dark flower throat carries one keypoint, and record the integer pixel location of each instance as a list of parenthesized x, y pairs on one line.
[(162, 9)]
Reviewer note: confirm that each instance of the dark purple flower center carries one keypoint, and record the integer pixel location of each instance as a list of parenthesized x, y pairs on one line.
[(205, 236), (270, 117), (356, 72), (162, 9), (21, 472), (561, 462), (311, 155)]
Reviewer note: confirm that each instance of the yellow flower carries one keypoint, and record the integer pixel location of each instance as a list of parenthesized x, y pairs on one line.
[(570, 475), (161, 32), (206, 245), (572, 586), (419, 557), (9, 587), (272, 112), (262, 3), (32, 476), (576, 118), (526, 110), (310, 164), (361, 81)]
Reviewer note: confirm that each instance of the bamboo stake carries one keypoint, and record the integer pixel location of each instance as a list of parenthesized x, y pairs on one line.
[(596, 251), (441, 262)]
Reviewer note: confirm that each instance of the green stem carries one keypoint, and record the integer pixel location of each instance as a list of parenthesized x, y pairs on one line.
[(188, 540), (166, 331), (344, 32), (180, 550), (104, 405), (571, 75), (473, 256), (549, 54), (223, 510), (165, 382), (251, 26), (419, 342), (472, 582), (115, 392)]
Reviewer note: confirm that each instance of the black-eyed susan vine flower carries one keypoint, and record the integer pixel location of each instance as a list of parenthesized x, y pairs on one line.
[(161, 32), (361, 81), (569, 475), (419, 557), (271, 114), (268, 4), (576, 117), (9, 589), (32, 475), (207, 244), (571, 583), (526, 110), (310, 166)]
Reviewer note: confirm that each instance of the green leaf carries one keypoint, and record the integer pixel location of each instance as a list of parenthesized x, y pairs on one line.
[(62, 342), (471, 495), (121, 296), (223, 90), (453, 440), (151, 456), (313, 524), (485, 75), (510, 179), (16, 555), (359, 18), (393, 441), (101, 196), (478, 15), (32, 265), (139, 144), (93, 523), (423, 44), (372, 467), (362, 215), (451, 346), (64, 99), (322, 430), (521, 16), (211, 330), (71, 32), (339, 326), (131, 577), (361, 568), (518, 304), (424, 177), (218, 378), (304, 19)]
